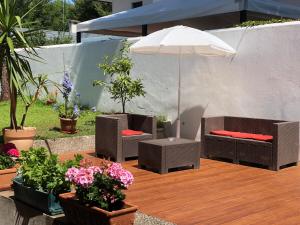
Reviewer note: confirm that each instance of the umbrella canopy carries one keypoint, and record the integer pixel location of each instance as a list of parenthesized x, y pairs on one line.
[(181, 40)]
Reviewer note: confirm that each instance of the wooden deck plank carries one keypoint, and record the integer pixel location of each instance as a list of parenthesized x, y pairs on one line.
[(218, 193)]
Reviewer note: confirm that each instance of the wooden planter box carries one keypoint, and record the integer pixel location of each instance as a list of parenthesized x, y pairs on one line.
[(6, 177), (82, 215), (43, 201)]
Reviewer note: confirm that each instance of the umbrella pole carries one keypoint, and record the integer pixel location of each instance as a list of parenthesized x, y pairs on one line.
[(179, 94)]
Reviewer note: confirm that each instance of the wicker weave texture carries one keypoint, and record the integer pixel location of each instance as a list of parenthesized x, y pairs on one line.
[(283, 150), (163, 154), (109, 141)]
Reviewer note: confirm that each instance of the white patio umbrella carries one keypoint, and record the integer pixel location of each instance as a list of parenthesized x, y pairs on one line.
[(180, 40)]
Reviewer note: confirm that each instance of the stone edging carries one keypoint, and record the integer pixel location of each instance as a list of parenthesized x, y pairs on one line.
[(61, 145)]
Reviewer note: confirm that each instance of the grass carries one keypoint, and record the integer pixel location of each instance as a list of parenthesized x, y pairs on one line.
[(46, 120)]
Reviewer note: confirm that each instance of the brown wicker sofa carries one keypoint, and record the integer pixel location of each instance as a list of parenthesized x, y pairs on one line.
[(282, 150), (109, 140)]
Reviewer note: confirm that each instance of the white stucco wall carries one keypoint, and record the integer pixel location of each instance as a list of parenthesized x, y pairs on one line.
[(262, 80)]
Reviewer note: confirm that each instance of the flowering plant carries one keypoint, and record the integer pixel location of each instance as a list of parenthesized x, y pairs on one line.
[(11, 150), (8, 155), (69, 109), (100, 186), (43, 171)]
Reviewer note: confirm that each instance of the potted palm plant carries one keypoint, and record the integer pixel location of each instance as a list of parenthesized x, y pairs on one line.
[(33, 88), (99, 198), (17, 65)]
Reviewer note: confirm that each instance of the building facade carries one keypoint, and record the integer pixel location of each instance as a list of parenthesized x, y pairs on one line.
[(123, 5)]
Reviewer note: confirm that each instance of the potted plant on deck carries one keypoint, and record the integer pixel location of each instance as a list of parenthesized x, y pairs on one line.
[(161, 126), (41, 178), (99, 198), (68, 111), (8, 156), (17, 65)]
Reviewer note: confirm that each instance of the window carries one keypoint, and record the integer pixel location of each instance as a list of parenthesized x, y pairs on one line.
[(137, 4)]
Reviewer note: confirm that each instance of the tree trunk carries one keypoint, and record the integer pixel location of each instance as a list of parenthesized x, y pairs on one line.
[(5, 96), (13, 108), (123, 106)]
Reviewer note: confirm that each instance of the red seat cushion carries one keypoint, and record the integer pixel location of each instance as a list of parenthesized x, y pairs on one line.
[(222, 132), (262, 137), (131, 132), (242, 135), (259, 137)]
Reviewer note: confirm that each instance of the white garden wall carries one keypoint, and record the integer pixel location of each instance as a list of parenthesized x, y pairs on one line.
[(262, 80)]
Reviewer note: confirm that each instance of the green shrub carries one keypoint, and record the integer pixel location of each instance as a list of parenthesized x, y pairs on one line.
[(6, 161), (39, 38), (252, 23), (44, 172), (161, 119)]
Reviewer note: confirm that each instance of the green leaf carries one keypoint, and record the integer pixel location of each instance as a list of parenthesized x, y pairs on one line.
[(10, 44), (121, 86)]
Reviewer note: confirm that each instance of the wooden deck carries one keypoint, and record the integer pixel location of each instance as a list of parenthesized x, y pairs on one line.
[(218, 193)]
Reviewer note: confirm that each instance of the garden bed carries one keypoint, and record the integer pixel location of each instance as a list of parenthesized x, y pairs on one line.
[(46, 120)]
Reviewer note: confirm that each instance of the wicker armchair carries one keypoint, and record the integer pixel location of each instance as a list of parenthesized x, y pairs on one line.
[(282, 150), (109, 140)]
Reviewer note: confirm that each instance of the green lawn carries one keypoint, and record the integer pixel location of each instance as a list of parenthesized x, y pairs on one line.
[(46, 120)]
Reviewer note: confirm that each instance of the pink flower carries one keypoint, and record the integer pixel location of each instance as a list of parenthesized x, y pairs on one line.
[(11, 150), (96, 169), (83, 177), (117, 172), (126, 178), (13, 153), (71, 174)]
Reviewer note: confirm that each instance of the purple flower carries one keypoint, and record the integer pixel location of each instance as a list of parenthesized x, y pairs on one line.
[(76, 111), (67, 85), (77, 94)]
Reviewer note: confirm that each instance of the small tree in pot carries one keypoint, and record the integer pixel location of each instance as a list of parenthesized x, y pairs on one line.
[(122, 87)]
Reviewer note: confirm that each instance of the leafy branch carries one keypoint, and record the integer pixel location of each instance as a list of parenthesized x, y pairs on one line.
[(122, 87)]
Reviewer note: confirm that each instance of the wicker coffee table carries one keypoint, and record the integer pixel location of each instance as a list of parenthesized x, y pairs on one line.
[(163, 154)]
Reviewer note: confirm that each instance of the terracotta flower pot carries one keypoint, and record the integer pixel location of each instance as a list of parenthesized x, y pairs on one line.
[(83, 215), (22, 138), (6, 177), (50, 102), (68, 125)]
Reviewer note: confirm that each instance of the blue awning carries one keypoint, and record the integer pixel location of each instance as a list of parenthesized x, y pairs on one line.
[(165, 11)]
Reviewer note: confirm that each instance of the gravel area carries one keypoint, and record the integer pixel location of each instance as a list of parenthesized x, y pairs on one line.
[(143, 219)]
